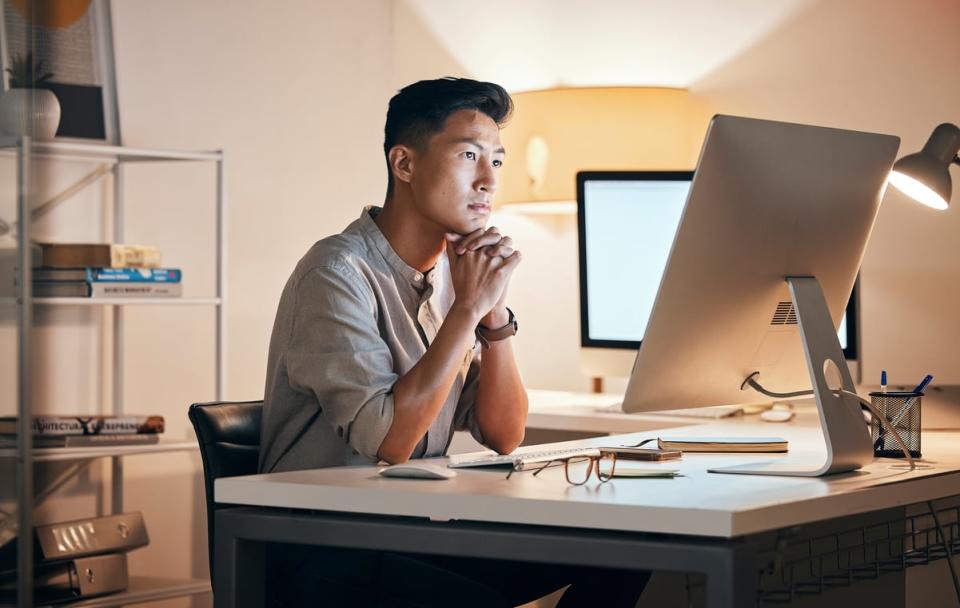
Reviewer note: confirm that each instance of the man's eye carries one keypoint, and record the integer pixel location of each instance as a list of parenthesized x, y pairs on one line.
[(498, 163), (471, 155)]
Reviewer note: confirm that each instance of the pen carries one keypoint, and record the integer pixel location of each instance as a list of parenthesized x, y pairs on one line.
[(923, 384), (883, 381), (917, 391), (906, 406)]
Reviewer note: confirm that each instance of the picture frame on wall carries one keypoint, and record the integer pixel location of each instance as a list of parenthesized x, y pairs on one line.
[(73, 41)]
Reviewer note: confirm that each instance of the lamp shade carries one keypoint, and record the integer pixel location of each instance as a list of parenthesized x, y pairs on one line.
[(554, 133), (925, 175)]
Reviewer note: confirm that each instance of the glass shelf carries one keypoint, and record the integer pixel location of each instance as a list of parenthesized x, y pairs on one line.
[(84, 151), (7, 300), (51, 454), (144, 589)]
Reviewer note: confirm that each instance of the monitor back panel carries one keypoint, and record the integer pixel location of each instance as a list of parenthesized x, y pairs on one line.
[(769, 200)]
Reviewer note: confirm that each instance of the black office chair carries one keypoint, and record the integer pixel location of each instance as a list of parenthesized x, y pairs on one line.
[(229, 436)]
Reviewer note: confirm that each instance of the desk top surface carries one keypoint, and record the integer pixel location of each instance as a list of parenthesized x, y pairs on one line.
[(696, 503)]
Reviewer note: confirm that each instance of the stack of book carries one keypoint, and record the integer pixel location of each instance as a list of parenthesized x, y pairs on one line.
[(102, 270), (85, 431), (76, 559)]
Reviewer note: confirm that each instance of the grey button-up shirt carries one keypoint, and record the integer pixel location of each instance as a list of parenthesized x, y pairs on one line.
[(352, 319)]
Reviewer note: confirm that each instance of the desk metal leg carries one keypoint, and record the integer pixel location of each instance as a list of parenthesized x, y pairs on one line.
[(731, 579), (239, 566)]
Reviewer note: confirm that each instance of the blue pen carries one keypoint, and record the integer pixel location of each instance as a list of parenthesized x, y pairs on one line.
[(923, 384), (883, 381), (906, 406)]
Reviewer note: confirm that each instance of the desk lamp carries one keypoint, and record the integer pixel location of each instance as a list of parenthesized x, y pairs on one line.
[(925, 175)]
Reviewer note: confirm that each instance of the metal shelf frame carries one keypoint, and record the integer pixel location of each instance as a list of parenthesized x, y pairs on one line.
[(26, 151)]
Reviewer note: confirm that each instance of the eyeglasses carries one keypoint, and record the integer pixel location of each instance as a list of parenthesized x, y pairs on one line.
[(578, 469)]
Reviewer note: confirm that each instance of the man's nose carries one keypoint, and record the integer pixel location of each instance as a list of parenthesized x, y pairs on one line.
[(487, 180)]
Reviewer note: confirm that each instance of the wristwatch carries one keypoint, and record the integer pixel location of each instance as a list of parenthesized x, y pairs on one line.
[(487, 335)]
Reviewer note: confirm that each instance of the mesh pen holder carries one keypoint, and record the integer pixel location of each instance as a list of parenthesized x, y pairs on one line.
[(902, 411)]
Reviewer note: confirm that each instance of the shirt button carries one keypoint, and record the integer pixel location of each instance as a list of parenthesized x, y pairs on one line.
[(418, 277)]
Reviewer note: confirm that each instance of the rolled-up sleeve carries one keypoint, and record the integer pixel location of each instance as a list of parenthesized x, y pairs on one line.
[(336, 353)]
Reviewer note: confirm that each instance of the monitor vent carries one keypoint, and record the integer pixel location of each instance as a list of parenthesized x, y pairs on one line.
[(785, 314)]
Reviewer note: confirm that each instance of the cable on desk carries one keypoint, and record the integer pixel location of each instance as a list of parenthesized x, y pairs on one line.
[(749, 381), (947, 546)]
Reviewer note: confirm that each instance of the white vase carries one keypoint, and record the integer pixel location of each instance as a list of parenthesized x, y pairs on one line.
[(38, 118)]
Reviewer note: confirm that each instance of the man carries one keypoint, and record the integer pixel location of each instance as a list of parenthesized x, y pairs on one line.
[(395, 333)]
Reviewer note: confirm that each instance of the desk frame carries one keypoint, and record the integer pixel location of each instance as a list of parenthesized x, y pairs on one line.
[(241, 534)]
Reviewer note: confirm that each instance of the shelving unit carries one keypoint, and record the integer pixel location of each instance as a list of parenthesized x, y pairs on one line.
[(142, 589)]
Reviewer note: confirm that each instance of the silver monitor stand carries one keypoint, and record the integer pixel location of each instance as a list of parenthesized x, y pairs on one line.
[(847, 438)]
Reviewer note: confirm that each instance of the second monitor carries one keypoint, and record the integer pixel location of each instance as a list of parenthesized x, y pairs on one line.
[(626, 223)]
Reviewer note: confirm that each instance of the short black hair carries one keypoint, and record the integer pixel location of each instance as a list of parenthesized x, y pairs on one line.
[(421, 109)]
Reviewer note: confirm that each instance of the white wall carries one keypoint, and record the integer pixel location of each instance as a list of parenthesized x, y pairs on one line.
[(878, 66), (295, 92), (889, 67)]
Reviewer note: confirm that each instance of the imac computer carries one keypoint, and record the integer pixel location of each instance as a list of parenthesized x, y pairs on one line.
[(633, 216), (770, 240)]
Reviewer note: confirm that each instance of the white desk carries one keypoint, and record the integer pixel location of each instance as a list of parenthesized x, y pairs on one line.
[(590, 413), (700, 522)]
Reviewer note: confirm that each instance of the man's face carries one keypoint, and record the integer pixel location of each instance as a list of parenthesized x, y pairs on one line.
[(455, 176)]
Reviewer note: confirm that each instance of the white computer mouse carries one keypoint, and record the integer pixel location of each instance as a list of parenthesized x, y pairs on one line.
[(418, 470)]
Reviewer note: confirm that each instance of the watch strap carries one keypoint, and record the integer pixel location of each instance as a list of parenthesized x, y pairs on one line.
[(486, 335)]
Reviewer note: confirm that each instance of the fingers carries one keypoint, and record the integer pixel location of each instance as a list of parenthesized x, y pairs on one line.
[(511, 261), (479, 238), (451, 252), (503, 249)]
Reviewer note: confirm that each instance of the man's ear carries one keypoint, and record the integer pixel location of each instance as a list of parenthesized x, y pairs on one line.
[(401, 162)]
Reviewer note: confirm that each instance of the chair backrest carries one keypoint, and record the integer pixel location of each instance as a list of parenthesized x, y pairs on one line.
[(229, 437)]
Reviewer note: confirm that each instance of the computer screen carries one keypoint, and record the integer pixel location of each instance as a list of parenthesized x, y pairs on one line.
[(626, 224)]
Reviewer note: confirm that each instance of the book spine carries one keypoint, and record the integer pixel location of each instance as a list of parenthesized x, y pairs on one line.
[(99, 255), (88, 425), (144, 256), (135, 290), (102, 440), (61, 289), (74, 255), (134, 275)]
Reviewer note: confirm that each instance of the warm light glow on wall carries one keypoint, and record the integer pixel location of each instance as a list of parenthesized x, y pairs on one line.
[(557, 132)]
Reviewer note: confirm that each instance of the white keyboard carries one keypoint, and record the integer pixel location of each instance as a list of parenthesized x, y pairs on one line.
[(713, 412), (488, 459)]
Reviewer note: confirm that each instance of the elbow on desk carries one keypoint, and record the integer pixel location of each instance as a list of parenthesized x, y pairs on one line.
[(394, 454), (505, 445)]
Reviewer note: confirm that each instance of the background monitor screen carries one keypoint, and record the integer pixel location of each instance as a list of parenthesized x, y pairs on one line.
[(626, 225)]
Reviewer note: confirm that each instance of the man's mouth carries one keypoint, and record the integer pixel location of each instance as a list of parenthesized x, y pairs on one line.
[(479, 207)]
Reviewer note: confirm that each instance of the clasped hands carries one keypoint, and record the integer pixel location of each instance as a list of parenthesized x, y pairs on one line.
[(481, 264)]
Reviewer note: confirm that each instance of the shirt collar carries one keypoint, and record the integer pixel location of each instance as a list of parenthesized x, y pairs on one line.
[(412, 275)]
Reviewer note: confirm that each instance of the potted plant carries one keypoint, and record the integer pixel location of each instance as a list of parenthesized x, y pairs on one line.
[(29, 108)]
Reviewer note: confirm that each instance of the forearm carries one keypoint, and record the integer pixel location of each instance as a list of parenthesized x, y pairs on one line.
[(501, 405), (419, 395)]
